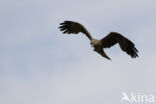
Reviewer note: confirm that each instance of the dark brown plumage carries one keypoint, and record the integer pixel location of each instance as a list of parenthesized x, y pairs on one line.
[(111, 39)]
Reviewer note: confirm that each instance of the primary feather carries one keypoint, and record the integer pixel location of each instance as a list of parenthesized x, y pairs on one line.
[(71, 27)]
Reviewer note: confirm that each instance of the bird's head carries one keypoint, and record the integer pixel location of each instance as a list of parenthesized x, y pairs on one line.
[(93, 42)]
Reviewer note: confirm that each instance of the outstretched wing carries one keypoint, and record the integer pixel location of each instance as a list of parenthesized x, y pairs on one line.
[(71, 27), (125, 44)]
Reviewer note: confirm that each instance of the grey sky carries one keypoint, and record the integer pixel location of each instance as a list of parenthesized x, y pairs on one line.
[(39, 64)]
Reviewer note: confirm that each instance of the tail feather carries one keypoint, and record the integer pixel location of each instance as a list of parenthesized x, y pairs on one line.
[(105, 55), (102, 53)]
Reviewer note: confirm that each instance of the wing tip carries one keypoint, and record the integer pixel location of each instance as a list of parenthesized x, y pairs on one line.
[(134, 52)]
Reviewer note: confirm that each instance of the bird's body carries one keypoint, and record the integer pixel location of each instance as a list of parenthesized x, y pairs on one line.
[(111, 39), (97, 44)]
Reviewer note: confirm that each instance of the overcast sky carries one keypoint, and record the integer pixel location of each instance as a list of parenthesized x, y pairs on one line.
[(40, 65)]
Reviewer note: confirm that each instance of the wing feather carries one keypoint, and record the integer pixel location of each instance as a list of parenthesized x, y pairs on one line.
[(71, 27), (125, 44)]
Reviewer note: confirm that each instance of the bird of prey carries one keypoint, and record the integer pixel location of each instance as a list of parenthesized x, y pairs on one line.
[(71, 27)]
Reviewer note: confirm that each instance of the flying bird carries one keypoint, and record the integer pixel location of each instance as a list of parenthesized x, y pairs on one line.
[(71, 27)]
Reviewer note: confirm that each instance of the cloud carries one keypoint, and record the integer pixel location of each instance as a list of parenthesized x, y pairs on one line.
[(81, 83)]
